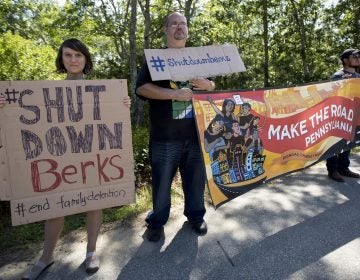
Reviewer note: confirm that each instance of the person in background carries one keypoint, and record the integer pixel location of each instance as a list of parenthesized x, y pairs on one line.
[(215, 138), (74, 59), (245, 118), (173, 139), (338, 165)]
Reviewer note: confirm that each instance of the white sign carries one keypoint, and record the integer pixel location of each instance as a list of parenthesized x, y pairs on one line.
[(195, 62)]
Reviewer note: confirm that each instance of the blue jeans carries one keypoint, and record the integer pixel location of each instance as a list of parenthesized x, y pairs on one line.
[(166, 158), (339, 162)]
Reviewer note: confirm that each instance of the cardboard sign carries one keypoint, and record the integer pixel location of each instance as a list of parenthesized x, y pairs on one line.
[(248, 137), (195, 62), (65, 148)]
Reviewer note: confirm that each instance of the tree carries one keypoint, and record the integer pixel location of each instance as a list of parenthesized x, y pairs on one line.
[(266, 41), (133, 45), (23, 59), (281, 42), (343, 21)]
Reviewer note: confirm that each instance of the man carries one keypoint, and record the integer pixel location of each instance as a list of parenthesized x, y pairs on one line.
[(173, 139), (245, 118), (338, 165), (236, 142)]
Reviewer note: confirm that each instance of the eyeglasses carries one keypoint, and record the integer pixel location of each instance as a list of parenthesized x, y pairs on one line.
[(355, 56), (175, 23)]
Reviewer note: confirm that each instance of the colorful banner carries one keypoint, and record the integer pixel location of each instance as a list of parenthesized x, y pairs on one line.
[(65, 148), (248, 137)]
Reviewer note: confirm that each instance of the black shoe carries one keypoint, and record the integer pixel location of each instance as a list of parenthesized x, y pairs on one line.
[(199, 227), (336, 177), (154, 234), (349, 173)]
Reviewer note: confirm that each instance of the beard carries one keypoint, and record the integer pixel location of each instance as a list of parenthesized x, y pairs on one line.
[(180, 35)]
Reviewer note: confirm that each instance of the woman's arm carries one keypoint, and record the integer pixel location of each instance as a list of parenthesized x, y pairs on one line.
[(216, 109)]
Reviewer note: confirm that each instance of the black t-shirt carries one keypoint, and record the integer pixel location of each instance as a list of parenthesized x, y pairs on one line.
[(246, 119), (170, 120), (236, 141)]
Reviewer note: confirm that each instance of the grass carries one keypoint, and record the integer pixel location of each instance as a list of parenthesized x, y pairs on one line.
[(24, 236)]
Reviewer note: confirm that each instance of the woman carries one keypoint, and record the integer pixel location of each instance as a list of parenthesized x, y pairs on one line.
[(75, 60), (227, 112)]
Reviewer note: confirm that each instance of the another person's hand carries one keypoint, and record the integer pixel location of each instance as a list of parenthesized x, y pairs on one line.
[(2, 101), (183, 94), (127, 101), (202, 84)]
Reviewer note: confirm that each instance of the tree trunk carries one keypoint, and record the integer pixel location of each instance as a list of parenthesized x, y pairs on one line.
[(138, 110), (266, 42), (132, 39), (356, 30), (302, 33)]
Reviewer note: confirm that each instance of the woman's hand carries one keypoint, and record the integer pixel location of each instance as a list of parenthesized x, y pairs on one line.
[(127, 101), (2, 101)]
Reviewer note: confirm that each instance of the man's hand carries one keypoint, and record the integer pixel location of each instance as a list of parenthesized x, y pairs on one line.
[(202, 84), (183, 94)]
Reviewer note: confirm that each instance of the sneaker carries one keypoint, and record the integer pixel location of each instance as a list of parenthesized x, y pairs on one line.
[(336, 177), (154, 234), (199, 227), (349, 173)]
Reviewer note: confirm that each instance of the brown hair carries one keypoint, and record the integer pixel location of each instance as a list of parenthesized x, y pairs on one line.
[(75, 45)]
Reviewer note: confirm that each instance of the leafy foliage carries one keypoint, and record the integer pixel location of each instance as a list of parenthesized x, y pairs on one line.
[(140, 139), (301, 43), (23, 59)]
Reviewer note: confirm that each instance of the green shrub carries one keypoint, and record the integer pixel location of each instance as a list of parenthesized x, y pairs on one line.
[(140, 138)]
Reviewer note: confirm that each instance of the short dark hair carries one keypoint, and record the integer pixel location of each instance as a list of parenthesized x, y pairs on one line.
[(214, 120), (78, 46), (346, 54), (246, 104)]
